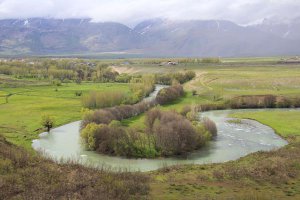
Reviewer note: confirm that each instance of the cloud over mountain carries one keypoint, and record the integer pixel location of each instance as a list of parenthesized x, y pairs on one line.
[(131, 12)]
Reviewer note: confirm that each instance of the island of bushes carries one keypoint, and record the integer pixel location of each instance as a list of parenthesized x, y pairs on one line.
[(164, 133)]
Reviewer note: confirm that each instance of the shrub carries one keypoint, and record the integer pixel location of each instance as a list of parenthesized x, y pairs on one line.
[(173, 133), (211, 60), (123, 78), (88, 135), (167, 79), (269, 101), (56, 82), (194, 92), (284, 103), (210, 126), (103, 99), (47, 122), (105, 116), (78, 93), (185, 110), (143, 86), (169, 94)]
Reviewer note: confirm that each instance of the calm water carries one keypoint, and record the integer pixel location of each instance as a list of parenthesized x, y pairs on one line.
[(233, 141)]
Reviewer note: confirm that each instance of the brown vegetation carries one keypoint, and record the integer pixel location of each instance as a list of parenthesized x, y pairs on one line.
[(264, 101), (167, 95), (165, 134), (23, 176), (167, 79), (140, 88), (105, 116), (173, 133)]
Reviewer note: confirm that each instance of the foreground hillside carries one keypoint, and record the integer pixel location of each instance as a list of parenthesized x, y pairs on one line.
[(24, 176)]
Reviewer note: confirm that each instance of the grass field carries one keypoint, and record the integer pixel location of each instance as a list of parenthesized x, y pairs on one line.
[(20, 117), (285, 123)]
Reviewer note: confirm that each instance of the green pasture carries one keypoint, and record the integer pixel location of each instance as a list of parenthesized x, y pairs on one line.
[(20, 117)]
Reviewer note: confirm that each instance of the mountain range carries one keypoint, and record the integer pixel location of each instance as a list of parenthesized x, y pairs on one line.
[(155, 37)]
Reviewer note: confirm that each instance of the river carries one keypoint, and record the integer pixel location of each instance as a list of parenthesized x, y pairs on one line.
[(234, 140)]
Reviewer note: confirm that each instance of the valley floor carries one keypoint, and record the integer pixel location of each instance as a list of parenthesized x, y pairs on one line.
[(262, 175)]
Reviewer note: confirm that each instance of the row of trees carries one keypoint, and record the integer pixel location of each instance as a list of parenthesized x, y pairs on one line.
[(63, 70), (79, 70), (253, 101), (167, 79), (97, 99), (166, 133), (139, 89), (264, 101), (107, 115)]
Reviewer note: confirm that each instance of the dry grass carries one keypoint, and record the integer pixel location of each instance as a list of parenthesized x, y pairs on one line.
[(23, 176)]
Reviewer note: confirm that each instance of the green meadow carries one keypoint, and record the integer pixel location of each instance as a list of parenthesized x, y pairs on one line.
[(20, 117)]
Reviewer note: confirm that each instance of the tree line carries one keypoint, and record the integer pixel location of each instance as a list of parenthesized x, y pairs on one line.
[(139, 89)]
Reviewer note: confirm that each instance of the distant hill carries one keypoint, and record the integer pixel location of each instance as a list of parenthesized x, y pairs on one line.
[(156, 37)]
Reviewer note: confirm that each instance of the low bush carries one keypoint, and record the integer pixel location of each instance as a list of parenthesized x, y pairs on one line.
[(97, 99), (167, 79), (105, 116), (211, 60), (142, 87), (47, 121), (167, 95), (210, 126), (78, 93)]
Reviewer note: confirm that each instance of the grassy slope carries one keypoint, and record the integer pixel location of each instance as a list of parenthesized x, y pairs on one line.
[(20, 118), (27, 176)]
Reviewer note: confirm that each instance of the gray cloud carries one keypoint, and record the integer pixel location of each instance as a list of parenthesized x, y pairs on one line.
[(132, 11)]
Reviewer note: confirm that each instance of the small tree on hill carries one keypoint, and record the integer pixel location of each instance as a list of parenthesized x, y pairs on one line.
[(47, 122)]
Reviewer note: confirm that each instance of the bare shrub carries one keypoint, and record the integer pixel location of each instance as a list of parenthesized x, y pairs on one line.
[(185, 110), (210, 126), (169, 94), (269, 101), (173, 133)]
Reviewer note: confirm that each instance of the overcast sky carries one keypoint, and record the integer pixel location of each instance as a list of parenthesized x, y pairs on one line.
[(131, 12)]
